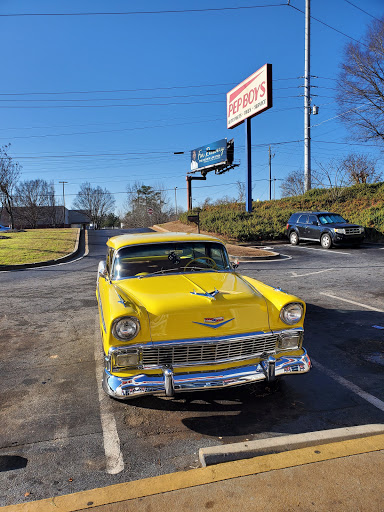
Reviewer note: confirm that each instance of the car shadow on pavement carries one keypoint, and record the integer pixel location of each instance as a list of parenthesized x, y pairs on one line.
[(300, 403)]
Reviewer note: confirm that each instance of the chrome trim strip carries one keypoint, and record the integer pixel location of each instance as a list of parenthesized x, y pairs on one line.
[(142, 384), (101, 308)]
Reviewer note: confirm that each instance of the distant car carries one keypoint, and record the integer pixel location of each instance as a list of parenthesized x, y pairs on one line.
[(176, 316), (327, 228), (4, 228)]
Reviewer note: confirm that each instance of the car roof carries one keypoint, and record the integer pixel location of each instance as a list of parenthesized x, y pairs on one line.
[(317, 213), (116, 242)]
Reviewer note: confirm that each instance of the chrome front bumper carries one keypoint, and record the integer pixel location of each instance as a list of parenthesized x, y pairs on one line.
[(168, 382)]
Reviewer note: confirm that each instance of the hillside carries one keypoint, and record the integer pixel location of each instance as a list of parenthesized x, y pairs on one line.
[(362, 204)]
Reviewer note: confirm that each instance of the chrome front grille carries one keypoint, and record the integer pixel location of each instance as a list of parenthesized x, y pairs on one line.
[(197, 353), (352, 231)]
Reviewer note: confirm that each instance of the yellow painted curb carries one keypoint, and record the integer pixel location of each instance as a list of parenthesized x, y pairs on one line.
[(195, 477)]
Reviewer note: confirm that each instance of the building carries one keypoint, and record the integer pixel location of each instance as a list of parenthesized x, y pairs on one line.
[(45, 217)]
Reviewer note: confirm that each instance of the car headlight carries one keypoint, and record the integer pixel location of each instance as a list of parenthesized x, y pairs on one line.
[(125, 328), (341, 231), (361, 229), (292, 313)]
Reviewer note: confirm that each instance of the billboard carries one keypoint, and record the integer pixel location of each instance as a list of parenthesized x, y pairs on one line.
[(251, 97), (209, 156)]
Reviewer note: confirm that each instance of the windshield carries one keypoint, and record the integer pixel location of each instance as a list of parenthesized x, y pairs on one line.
[(169, 257), (331, 218)]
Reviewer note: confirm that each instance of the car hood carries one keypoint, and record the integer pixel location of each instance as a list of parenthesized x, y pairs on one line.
[(198, 305)]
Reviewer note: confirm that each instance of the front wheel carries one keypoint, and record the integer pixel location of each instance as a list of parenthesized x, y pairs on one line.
[(294, 238), (326, 241)]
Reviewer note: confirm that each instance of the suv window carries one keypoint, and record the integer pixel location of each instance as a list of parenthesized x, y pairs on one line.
[(303, 219), (331, 218), (312, 219)]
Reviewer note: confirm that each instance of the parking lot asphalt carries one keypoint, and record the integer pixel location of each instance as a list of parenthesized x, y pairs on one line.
[(60, 434)]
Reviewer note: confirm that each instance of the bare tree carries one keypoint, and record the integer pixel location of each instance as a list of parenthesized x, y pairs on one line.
[(361, 85), (293, 185), (361, 169), (96, 202), (9, 174), (240, 191), (35, 201), (146, 205), (333, 176)]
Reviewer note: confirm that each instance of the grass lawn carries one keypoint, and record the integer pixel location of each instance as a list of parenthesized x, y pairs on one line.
[(34, 245)]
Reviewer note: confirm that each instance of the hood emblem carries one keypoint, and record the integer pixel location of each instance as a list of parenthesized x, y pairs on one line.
[(208, 295), (214, 323)]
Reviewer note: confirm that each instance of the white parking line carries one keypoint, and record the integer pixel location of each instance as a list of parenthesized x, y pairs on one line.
[(115, 462), (371, 308), (376, 402), (310, 273), (322, 250)]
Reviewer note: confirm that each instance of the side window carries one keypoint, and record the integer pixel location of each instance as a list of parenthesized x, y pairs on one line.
[(109, 258), (303, 219), (312, 219)]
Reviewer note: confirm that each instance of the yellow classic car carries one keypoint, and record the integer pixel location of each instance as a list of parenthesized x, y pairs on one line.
[(175, 316)]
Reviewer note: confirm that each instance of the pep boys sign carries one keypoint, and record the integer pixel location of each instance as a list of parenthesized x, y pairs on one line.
[(251, 97)]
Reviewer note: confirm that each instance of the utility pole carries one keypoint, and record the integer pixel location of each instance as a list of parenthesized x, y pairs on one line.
[(63, 182), (270, 172), (175, 201), (307, 99)]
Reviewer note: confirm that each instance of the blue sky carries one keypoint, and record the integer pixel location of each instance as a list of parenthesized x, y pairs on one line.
[(109, 99)]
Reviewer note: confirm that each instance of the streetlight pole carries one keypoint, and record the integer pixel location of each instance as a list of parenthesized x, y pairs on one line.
[(307, 99), (63, 182), (175, 201)]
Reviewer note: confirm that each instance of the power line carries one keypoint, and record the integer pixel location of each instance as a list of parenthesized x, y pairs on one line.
[(119, 104), (131, 13), (40, 100), (362, 10), (329, 26), (137, 153), (229, 84)]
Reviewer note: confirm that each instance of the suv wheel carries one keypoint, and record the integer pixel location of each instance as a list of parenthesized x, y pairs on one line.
[(326, 241), (294, 238)]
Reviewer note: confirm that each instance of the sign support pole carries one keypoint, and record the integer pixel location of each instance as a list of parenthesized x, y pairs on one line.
[(248, 150)]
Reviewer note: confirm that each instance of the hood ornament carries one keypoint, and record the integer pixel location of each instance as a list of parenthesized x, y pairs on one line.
[(208, 295)]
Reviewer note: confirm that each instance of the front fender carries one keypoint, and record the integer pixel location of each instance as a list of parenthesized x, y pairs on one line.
[(276, 299)]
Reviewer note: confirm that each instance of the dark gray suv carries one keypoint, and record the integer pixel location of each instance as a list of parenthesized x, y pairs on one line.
[(324, 227)]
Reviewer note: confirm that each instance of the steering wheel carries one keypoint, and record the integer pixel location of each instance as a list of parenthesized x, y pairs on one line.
[(214, 266)]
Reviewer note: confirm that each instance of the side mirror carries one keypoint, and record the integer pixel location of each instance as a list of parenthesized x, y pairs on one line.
[(315, 223), (102, 269)]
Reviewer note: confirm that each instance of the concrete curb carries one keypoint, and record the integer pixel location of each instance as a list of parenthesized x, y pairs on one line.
[(249, 449), (49, 262), (123, 494), (273, 255)]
